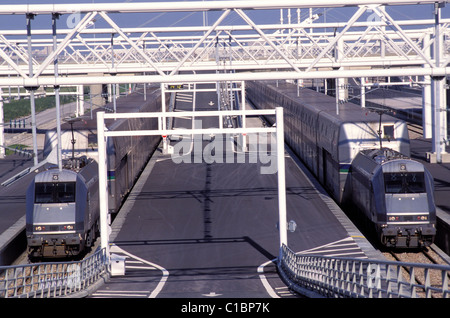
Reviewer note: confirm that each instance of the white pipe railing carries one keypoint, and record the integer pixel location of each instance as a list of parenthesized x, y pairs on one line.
[(362, 278), (45, 280)]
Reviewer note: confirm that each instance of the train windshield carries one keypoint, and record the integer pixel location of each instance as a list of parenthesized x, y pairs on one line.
[(404, 182), (54, 192)]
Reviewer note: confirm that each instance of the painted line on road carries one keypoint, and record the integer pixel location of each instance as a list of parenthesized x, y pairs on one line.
[(264, 281), (140, 267), (159, 287), (119, 293)]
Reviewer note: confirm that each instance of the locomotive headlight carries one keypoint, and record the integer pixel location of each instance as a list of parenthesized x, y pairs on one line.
[(422, 218), (69, 227), (393, 218), (39, 228)]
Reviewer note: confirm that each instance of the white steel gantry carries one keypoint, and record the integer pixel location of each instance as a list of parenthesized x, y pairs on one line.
[(162, 130), (370, 38)]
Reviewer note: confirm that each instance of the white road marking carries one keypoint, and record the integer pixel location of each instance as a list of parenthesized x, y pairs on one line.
[(119, 293), (264, 281), (159, 287), (347, 245)]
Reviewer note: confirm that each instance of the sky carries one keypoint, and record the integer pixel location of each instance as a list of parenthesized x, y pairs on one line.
[(182, 19)]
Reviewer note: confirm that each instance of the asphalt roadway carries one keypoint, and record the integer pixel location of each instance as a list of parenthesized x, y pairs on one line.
[(198, 230)]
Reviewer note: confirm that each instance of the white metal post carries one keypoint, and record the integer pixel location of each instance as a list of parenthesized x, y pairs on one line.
[(102, 183), (427, 114), (80, 98), (244, 136), (163, 111), (281, 177), (363, 92), (31, 89), (427, 121), (437, 98), (57, 100)]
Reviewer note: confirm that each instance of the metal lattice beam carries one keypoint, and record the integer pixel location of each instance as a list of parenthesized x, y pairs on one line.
[(361, 47)]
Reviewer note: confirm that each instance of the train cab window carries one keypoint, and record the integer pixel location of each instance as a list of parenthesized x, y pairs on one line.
[(404, 182), (388, 132), (54, 192)]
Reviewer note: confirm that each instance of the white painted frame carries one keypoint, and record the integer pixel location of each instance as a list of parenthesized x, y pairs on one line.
[(103, 134)]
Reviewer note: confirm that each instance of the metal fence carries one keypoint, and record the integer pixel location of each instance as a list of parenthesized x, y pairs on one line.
[(314, 275), (45, 280), (354, 278)]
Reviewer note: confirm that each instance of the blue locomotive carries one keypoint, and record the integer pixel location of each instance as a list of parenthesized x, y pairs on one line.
[(63, 209), (396, 196)]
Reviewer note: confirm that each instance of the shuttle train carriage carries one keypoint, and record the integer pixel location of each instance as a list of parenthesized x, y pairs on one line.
[(328, 142), (126, 158), (396, 194), (127, 155)]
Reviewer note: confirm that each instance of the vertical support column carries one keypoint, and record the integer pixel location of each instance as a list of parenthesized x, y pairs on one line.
[(80, 98), (102, 183), (363, 92), (57, 101), (30, 17), (427, 120), (164, 119), (438, 92), (281, 178), (341, 83), (2, 127), (113, 72), (145, 88), (439, 121), (96, 93), (244, 119)]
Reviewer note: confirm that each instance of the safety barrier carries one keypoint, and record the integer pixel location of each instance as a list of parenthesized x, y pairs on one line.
[(355, 278), (45, 280)]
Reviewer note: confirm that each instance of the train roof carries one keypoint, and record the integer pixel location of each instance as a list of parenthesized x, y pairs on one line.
[(388, 153), (53, 175), (385, 160), (81, 166), (133, 102), (321, 103)]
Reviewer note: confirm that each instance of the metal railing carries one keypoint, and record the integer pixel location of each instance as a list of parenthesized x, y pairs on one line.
[(45, 280), (354, 278)]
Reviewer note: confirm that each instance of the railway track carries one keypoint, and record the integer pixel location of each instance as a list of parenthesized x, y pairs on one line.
[(421, 277), (415, 131), (430, 255)]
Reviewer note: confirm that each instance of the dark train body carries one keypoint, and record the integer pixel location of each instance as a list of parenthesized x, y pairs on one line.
[(126, 158), (63, 209), (328, 142), (396, 195)]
